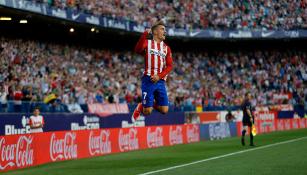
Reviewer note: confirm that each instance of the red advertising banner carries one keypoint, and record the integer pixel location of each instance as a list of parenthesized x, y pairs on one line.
[(266, 126), (209, 117), (278, 107), (21, 151), (265, 121), (17, 151), (279, 98), (285, 107)]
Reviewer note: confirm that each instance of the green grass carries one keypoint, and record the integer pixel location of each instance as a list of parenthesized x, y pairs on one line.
[(286, 159)]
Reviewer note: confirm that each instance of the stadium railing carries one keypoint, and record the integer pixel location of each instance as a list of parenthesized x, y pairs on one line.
[(28, 106)]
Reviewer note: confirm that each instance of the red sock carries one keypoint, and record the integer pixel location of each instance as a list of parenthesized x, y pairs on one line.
[(137, 112), (140, 107)]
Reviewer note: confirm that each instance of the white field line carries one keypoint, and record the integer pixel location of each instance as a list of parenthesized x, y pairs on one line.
[(222, 156)]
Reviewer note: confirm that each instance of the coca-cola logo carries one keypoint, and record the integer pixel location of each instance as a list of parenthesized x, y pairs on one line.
[(295, 124), (19, 154), (128, 140), (272, 127), (266, 126), (100, 144), (63, 148), (193, 133), (155, 137), (287, 124), (175, 135), (302, 124), (280, 125), (262, 128)]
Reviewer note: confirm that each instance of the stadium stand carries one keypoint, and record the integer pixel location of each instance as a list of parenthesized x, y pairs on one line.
[(198, 14), (30, 74)]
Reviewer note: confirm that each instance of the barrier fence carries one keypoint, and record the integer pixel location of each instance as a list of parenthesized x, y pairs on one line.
[(80, 136), (27, 150), (220, 130), (267, 126), (19, 123)]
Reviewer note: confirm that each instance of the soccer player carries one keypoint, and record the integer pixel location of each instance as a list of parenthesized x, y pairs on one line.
[(36, 121), (158, 64), (248, 119)]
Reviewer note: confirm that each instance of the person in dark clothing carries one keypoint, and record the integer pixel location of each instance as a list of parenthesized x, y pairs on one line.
[(229, 117), (248, 119)]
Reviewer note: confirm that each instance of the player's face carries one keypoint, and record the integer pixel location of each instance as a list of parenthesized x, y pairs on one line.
[(161, 32), (36, 112)]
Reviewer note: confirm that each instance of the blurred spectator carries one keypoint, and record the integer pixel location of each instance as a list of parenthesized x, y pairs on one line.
[(74, 107), (229, 116), (3, 98), (17, 98), (295, 115)]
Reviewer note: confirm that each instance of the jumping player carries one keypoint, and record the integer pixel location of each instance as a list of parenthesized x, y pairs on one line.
[(248, 119), (158, 64)]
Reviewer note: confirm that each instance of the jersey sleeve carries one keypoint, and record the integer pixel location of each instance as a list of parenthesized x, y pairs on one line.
[(30, 121), (141, 44), (169, 64)]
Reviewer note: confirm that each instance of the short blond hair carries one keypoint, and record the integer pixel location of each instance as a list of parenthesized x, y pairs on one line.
[(158, 23)]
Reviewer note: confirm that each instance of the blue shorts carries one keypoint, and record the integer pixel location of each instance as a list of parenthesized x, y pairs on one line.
[(153, 91)]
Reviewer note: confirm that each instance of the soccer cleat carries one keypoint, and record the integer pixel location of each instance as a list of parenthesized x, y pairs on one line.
[(137, 113), (252, 144), (242, 142)]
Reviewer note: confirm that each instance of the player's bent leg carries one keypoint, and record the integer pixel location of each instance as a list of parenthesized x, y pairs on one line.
[(137, 112), (140, 109), (162, 109), (147, 111), (145, 107), (161, 98)]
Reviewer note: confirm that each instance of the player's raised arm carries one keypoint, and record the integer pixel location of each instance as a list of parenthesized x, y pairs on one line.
[(141, 44), (169, 64)]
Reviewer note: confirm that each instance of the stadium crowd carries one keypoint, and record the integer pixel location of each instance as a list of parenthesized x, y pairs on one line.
[(33, 71), (198, 14)]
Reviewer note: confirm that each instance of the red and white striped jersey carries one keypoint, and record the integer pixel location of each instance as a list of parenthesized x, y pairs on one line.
[(36, 121), (158, 56)]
